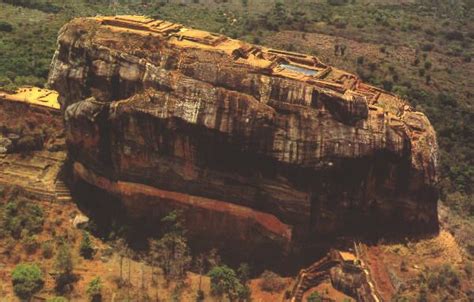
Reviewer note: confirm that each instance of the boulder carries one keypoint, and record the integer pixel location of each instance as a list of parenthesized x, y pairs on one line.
[(80, 221), (249, 141)]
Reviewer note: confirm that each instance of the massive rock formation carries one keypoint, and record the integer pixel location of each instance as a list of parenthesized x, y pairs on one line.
[(261, 144)]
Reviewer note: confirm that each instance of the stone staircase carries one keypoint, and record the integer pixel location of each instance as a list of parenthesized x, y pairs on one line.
[(63, 194), (312, 276)]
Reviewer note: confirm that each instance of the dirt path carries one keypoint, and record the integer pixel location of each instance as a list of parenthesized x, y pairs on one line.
[(379, 273)]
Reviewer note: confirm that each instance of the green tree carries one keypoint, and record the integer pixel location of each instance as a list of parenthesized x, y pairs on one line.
[(21, 218), (94, 290), (224, 281), (172, 249), (86, 248), (64, 268), (27, 280)]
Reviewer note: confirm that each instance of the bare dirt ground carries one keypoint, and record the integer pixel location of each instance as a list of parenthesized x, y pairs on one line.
[(379, 273)]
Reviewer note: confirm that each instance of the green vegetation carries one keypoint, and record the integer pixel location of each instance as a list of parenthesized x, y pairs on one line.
[(30, 243), (47, 249), (94, 290), (27, 280), (171, 250), (224, 282), (435, 37), (271, 282), (64, 269), (21, 218), (440, 283), (314, 297), (443, 278), (5, 26), (86, 249)]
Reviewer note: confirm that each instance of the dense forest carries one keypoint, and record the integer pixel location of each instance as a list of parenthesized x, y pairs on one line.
[(419, 49)]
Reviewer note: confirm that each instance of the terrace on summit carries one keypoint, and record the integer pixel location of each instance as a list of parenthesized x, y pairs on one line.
[(304, 68), (34, 96)]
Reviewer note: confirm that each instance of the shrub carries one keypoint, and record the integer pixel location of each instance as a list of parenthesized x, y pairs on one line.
[(337, 2), (30, 243), (86, 249), (314, 297), (271, 282), (443, 278), (28, 80), (428, 65), (421, 72), (422, 294), (454, 35), (5, 26), (47, 249), (244, 293), (449, 276), (4, 81), (27, 280), (21, 217), (429, 32), (339, 22), (387, 85), (427, 47), (94, 289), (373, 66)]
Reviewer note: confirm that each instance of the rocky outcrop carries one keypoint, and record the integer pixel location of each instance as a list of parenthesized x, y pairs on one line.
[(226, 128), (32, 149), (25, 127)]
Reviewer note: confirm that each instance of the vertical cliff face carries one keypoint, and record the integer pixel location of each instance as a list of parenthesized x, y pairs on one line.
[(279, 143)]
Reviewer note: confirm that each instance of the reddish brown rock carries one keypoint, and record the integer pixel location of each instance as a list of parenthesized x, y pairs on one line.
[(166, 108)]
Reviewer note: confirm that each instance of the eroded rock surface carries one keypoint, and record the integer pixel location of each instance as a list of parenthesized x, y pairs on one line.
[(157, 106)]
